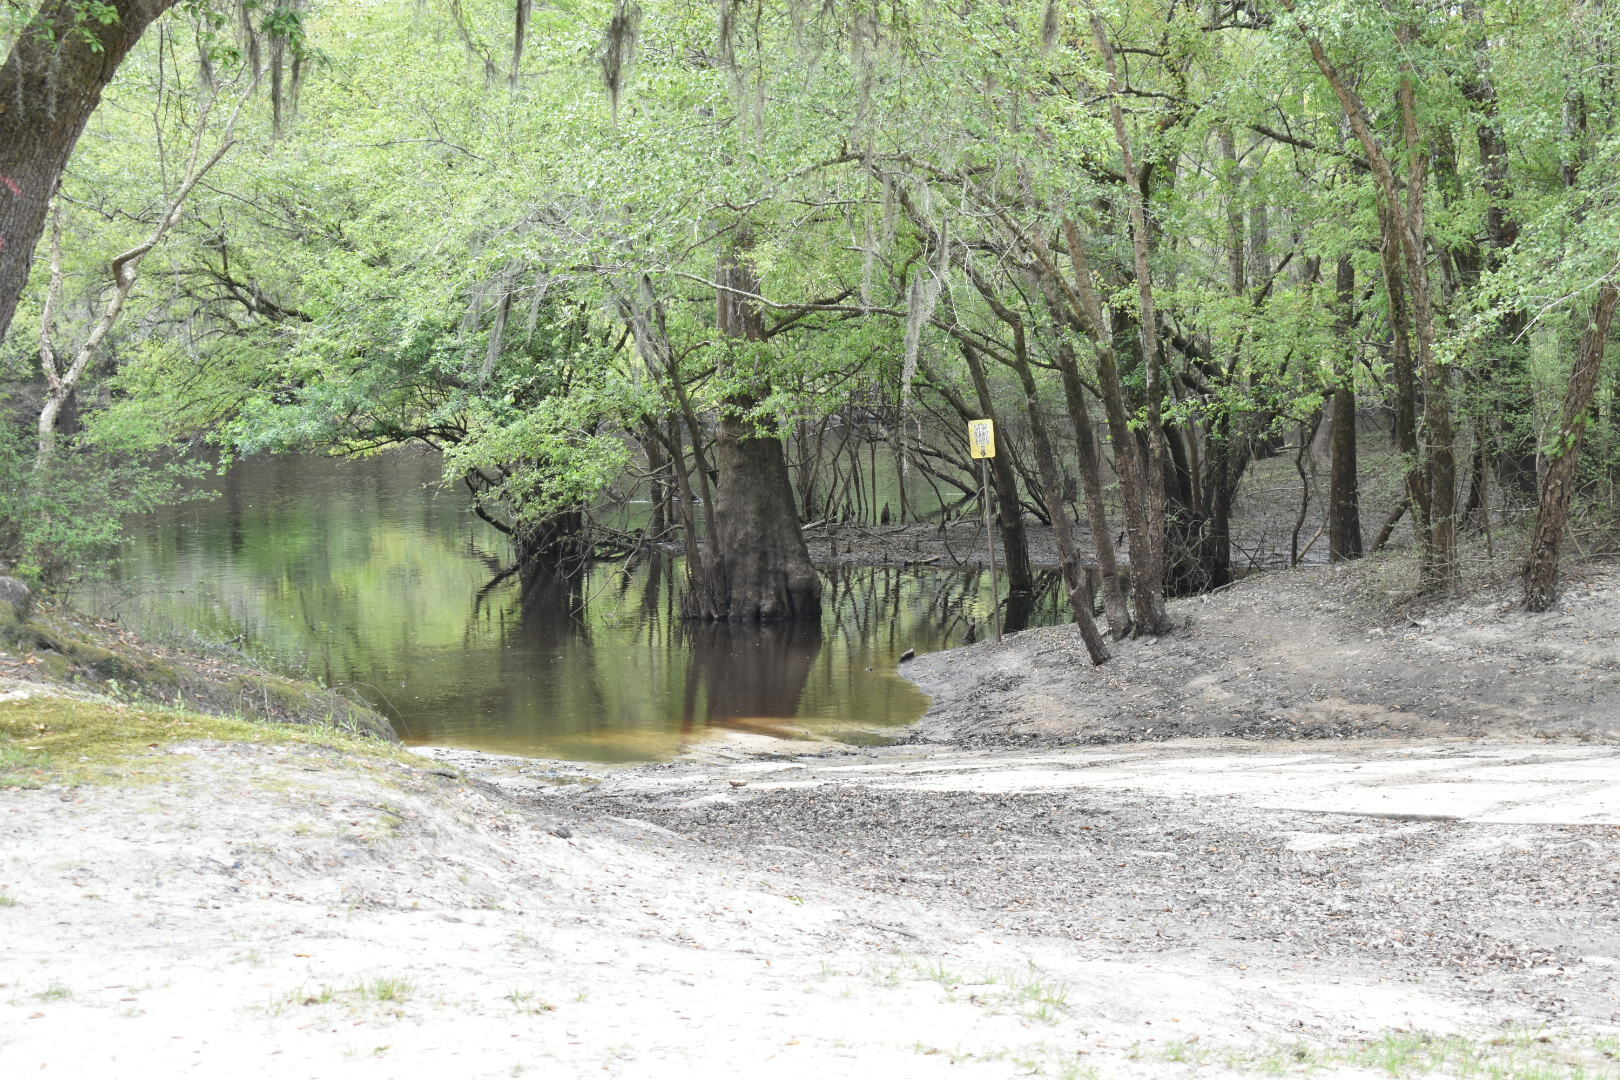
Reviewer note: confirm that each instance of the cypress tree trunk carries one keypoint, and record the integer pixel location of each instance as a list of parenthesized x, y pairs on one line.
[(50, 84), (558, 542), (1541, 568), (757, 568)]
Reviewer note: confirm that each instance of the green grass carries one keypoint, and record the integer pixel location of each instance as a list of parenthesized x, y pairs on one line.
[(385, 988), (19, 767), (1525, 1055), (64, 740), (382, 990), (1407, 1055), (324, 996), (527, 1001)]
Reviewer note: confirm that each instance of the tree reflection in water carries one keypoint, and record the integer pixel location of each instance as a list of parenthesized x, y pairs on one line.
[(365, 572), (748, 677)]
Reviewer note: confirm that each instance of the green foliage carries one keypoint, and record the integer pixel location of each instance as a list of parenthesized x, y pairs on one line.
[(500, 256), (58, 525)]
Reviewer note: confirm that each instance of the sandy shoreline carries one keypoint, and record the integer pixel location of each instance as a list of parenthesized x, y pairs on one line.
[(1007, 899)]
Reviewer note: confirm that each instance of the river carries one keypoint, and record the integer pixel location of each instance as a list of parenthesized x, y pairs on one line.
[(371, 577)]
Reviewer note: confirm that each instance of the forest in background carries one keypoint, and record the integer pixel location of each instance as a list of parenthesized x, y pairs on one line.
[(723, 253)]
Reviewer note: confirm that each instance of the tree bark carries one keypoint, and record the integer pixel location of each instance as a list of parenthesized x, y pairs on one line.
[(554, 544), (1198, 531), (50, 84), (1344, 499), (1431, 478), (1074, 580), (1405, 378), (1440, 556), (1146, 547), (759, 568), (1147, 563), (1119, 616), (1541, 568)]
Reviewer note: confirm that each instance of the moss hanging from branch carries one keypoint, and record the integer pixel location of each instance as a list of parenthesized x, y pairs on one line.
[(619, 50), (520, 33)]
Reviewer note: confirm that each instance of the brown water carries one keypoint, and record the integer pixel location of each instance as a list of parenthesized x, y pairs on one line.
[(369, 576)]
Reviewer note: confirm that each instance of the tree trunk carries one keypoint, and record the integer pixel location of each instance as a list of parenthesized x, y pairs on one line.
[(1147, 560), (1119, 616), (1541, 568), (1440, 555), (1344, 499), (658, 487), (557, 544), (1431, 477), (1405, 378), (1074, 579), (1198, 533), (758, 568), (1147, 568), (50, 84)]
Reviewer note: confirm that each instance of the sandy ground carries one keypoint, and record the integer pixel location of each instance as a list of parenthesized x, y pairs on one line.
[(1018, 892), (1318, 652), (282, 911)]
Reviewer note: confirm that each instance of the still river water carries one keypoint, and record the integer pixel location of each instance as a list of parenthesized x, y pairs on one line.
[(369, 576)]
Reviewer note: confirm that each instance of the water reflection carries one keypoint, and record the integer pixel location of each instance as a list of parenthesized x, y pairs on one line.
[(367, 574), (747, 678)]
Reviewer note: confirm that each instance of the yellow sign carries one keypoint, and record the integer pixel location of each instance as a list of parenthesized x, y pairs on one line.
[(982, 438)]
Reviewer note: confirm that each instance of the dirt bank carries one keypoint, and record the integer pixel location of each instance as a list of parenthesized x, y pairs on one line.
[(1312, 653)]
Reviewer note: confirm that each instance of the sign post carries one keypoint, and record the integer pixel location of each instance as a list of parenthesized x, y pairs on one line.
[(982, 445)]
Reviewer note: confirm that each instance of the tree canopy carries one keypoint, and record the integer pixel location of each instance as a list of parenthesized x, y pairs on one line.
[(595, 244)]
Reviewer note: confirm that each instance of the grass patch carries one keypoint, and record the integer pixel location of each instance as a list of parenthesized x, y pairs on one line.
[(58, 739), (527, 1001), (1028, 993), (384, 988), (1513, 1055), (17, 765), (324, 996)]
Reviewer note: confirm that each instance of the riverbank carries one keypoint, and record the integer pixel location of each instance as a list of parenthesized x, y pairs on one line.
[(54, 646), (1421, 901), (1331, 652)]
